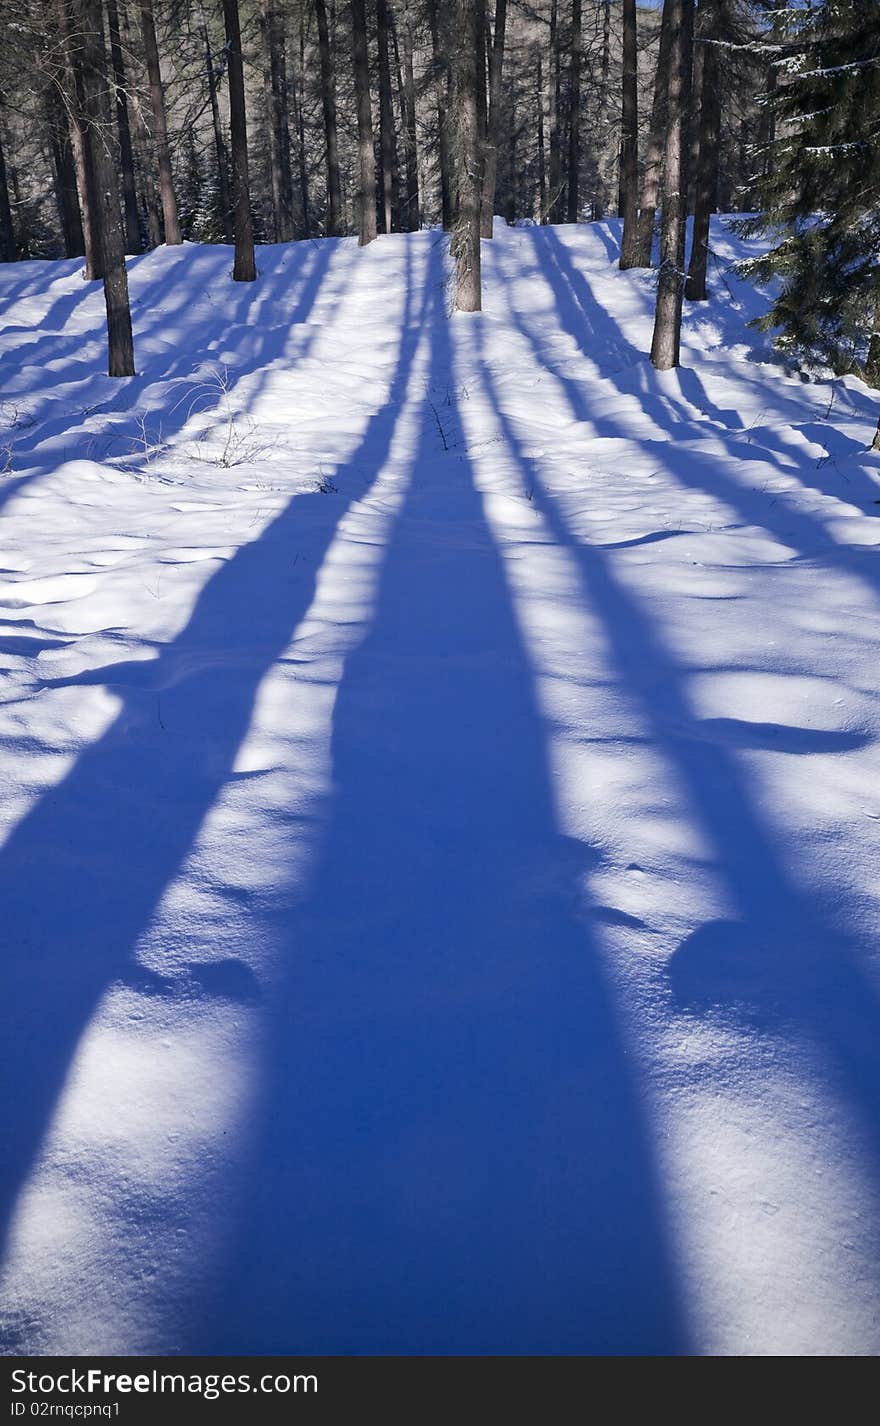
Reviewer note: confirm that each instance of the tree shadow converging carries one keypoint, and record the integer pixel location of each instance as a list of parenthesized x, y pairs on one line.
[(84, 871), (782, 965), (696, 469), (252, 330), (455, 1157)]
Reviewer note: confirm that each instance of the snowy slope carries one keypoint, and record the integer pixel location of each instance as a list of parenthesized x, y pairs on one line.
[(440, 811)]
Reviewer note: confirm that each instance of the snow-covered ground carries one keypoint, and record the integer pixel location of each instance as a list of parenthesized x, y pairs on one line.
[(440, 812)]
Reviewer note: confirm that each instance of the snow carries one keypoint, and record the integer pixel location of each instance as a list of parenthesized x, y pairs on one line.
[(439, 815)]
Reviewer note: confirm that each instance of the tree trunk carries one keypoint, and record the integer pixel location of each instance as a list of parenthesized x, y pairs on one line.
[(574, 119), (707, 175), (244, 267), (328, 105), (275, 90), (63, 170), (219, 143), (600, 195), (542, 167), (160, 127), (496, 66), (69, 78), (629, 166), (440, 65), (366, 153), (299, 71), (407, 87), (106, 212), (694, 127), (467, 31), (8, 247), (387, 139), (666, 341), (126, 155), (654, 153), (555, 117)]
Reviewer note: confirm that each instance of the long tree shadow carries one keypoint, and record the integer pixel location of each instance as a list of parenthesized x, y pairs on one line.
[(83, 873), (782, 965), (455, 1157), (596, 331), (257, 343), (704, 472)]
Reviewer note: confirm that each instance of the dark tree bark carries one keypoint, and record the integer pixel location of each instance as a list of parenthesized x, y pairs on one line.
[(299, 71), (91, 60), (654, 151), (496, 65), (328, 105), (160, 126), (366, 153), (629, 165), (440, 66), (467, 32), (542, 166), (707, 175), (555, 209), (387, 141), (220, 152), (62, 164), (69, 79), (244, 267), (8, 246), (666, 340), (407, 86), (276, 96), (126, 155), (600, 194), (693, 136), (574, 117)]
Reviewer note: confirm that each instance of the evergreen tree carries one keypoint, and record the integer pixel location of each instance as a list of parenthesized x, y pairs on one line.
[(821, 186)]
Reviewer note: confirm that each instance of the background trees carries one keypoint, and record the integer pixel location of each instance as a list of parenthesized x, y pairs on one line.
[(550, 88), (261, 120)]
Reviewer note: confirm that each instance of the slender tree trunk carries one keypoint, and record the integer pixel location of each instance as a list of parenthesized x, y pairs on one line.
[(407, 86), (542, 167), (328, 105), (299, 71), (574, 123), (126, 155), (366, 152), (467, 32), (244, 267), (69, 78), (160, 127), (670, 284), (707, 175), (220, 152), (275, 89), (387, 141), (629, 166), (496, 65), (600, 195), (654, 152), (555, 116), (693, 136), (62, 165), (441, 89), (106, 212), (8, 246)]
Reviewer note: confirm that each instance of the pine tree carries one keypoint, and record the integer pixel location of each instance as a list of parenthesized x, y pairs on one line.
[(821, 192)]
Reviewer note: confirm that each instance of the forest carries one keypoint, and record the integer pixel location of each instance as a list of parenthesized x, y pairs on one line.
[(301, 121), (439, 718)]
